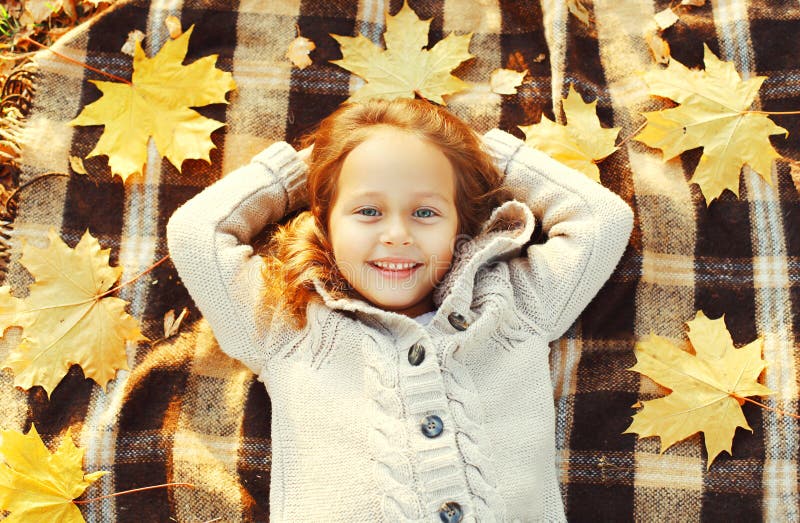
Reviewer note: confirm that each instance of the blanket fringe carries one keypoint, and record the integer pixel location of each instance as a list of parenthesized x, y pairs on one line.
[(16, 99)]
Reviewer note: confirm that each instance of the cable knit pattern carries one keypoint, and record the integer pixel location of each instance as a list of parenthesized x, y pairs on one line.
[(473, 442), (348, 405), (392, 467)]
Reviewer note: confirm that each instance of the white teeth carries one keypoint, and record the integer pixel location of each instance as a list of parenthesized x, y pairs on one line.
[(394, 266)]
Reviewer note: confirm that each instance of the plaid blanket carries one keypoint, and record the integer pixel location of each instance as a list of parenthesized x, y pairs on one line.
[(186, 412)]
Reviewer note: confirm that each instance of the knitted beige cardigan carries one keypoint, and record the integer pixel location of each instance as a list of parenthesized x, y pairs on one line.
[(376, 417)]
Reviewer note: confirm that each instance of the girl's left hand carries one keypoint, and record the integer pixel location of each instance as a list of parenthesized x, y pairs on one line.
[(305, 154)]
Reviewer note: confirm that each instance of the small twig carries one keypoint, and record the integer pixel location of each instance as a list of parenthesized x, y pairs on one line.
[(89, 67), (16, 56), (164, 485), (777, 411), (12, 98), (114, 289), (155, 342), (16, 191), (634, 133)]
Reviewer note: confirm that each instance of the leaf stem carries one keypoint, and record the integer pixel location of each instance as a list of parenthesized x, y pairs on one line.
[(164, 485), (97, 297), (634, 133), (109, 291), (777, 411), (772, 112), (87, 66)]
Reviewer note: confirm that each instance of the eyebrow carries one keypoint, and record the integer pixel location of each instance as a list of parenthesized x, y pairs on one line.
[(374, 194)]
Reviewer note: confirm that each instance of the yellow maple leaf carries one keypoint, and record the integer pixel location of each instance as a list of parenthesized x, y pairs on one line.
[(158, 104), (404, 68), (506, 81), (37, 486), (581, 142), (707, 387), (713, 114), (66, 319)]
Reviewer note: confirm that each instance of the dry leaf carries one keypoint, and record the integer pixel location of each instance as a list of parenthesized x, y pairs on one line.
[(713, 115), (134, 37), (8, 149), (298, 51), (9, 306), (25, 20), (66, 319), (37, 486), (580, 11), (68, 6), (57, 32), (404, 69), (171, 325), (41, 10), (581, 142), (794, 170), (707, 387), (77, 165), (665, 18), (506, 81), (173, 26), (5, 194), (659, 47), (158, 105)]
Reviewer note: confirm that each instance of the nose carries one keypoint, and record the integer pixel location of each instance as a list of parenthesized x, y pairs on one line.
[(396, 233)]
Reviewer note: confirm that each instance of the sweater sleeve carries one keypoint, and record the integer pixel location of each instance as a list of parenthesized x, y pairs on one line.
[(209, 242), (587, 228)]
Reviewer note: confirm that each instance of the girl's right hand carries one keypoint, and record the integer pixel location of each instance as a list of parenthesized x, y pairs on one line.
[(305, 154)]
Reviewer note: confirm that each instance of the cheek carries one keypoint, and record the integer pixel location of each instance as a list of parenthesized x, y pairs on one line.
[(336, 234), (349, 247), (442, 251)]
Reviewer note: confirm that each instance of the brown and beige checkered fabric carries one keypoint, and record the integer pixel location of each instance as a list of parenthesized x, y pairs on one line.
[(186, 412)]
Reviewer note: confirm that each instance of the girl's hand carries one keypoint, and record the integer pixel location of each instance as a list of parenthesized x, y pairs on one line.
[(305, 154)]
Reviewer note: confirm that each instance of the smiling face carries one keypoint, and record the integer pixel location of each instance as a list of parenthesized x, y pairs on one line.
[(393, 223)]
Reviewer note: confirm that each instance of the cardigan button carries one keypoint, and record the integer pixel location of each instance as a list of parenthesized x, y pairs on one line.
[(416, 354), (450, 512), (458, 321), (432, 426)]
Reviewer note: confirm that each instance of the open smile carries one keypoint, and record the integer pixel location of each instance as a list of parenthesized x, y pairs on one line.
[(395, 270)]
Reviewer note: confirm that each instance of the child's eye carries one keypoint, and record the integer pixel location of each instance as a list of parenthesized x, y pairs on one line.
[(368, 211), (424, 213)]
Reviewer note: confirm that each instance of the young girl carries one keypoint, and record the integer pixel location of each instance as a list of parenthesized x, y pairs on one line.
[(401, 324)]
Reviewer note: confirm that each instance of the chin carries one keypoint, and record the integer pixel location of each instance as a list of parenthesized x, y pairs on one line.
[(397, 306), (394, 306), (391, 303)]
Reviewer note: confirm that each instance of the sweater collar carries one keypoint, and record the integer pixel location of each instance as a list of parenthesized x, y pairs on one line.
[(502, 236)]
